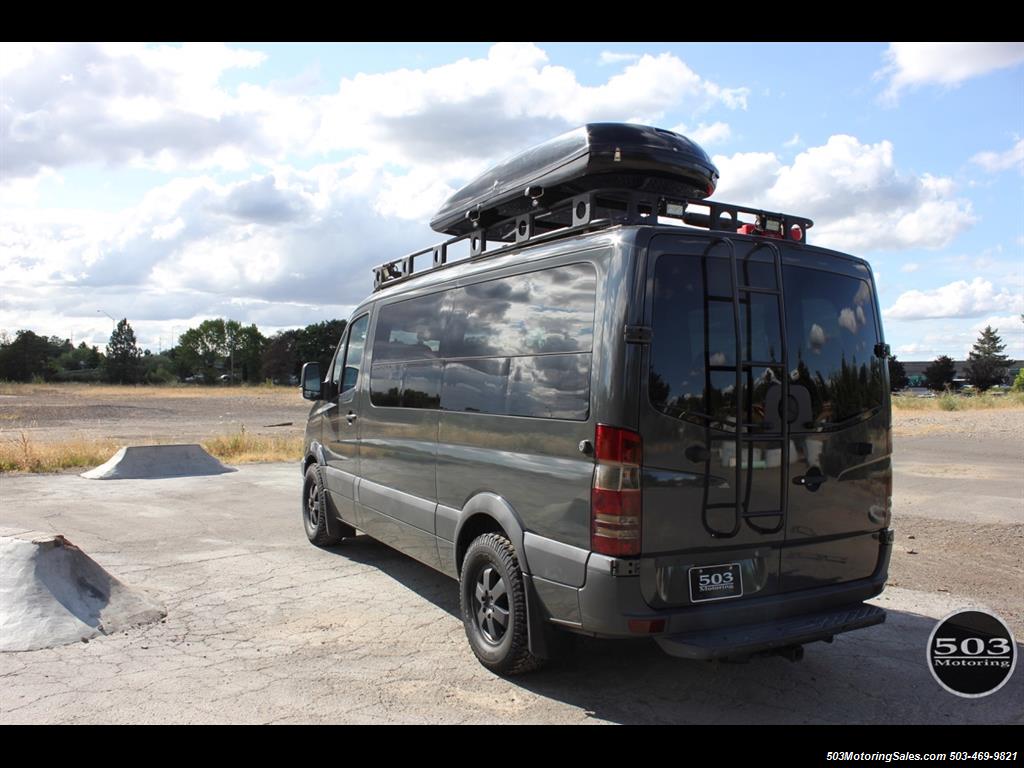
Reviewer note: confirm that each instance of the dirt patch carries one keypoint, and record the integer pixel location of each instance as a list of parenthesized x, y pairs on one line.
[(968, 423), (979, 563), (51, 413)]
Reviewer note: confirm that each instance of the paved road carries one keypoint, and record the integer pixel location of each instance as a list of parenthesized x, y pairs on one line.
[(262, 628)]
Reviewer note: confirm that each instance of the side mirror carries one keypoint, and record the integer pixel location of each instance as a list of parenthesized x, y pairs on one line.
[(311, 381)]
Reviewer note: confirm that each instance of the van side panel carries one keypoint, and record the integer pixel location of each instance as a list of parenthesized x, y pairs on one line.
[(536, 463)]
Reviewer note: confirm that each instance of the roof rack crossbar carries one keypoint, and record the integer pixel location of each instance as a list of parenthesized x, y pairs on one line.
[(588, 211)]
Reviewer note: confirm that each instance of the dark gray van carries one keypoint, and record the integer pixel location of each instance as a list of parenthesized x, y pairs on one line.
[(630, 411)]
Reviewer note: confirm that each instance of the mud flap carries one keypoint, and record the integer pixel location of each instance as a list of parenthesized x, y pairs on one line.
[(536, 625)]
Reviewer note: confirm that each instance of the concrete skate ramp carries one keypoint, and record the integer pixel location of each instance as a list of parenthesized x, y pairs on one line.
[(146, 462), (52, 593)]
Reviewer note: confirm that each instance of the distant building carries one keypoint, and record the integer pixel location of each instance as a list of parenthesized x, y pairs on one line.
[(915, 372)]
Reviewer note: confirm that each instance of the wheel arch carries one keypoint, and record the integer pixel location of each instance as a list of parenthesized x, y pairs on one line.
[(314, 454), (489, 513)]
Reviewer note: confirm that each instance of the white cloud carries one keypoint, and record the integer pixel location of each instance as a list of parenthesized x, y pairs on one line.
[(705, 134), (301, 239), (949, 64), (124, 104), (745, 177), (958, 299), (485, 108), (1002, 161), (793, 142), (853, 191), (167, 108), (910, 267), (609, 57)]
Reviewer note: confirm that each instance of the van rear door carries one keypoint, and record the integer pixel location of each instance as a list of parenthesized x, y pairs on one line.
[(756, 475)]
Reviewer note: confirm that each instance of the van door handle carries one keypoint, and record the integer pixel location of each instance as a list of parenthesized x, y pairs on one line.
[(812, 480), (351, 417)]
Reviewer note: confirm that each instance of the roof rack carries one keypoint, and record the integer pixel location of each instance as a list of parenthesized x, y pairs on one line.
[(593, 210)]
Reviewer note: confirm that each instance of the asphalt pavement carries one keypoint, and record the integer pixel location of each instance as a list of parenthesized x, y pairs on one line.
[(262, 627)]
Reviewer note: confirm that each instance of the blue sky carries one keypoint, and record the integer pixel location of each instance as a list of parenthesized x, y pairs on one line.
[(170, 184)]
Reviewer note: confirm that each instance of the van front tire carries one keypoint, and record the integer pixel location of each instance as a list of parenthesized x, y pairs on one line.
[(315, 508), (493, 605)]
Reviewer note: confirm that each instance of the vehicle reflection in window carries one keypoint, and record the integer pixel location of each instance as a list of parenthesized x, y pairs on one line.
[(546, 386), (409, 330), (476, 386), (550, 386), (693, 373), (551, 310), (831, 330), (406, 385)]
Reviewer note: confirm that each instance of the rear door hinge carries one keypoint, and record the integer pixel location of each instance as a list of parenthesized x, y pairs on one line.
[(638, 334)]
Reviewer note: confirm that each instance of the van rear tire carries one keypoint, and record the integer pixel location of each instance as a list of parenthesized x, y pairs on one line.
[(493, 605)]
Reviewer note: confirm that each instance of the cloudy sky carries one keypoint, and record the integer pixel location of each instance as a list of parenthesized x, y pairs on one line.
[(173, 183)]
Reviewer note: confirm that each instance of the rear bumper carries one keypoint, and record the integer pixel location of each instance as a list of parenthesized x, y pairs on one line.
[(608, 602), (770, 635)]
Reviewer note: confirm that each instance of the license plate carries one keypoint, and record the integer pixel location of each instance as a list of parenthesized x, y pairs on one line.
[(715, 582)]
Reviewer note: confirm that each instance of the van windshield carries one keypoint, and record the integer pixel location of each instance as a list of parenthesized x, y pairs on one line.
[(830, 333)]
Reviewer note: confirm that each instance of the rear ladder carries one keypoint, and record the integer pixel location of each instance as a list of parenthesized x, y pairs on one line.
[(746, 432)]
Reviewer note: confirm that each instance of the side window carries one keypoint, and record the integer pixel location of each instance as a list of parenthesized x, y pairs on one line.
[(521, 345), (339, 359), (354, 353), (409, 330), (544, 312), (515, 346)]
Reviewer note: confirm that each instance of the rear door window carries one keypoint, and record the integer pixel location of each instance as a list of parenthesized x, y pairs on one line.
[(831, 331), (693, 354)]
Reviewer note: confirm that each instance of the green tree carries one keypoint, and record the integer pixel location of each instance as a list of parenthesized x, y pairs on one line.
[(986, 363), (28, 356), (157, 369), (201, 350), (220, 347), (279, 357), (940, 373), (317, 342), (123, 355), (897, 374), (249, 344)]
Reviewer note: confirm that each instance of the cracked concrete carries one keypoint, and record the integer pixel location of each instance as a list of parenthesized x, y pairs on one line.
[(262, 627)]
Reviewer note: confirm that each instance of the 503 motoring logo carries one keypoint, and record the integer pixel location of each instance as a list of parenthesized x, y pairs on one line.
[(971, 653)]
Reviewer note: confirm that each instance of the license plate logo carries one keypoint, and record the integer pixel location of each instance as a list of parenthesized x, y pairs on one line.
[(715, 582)]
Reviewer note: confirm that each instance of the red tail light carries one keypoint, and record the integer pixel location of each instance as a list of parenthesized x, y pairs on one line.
[(615, 502)]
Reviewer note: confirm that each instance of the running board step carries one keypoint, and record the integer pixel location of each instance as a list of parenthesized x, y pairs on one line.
[(755, 638)]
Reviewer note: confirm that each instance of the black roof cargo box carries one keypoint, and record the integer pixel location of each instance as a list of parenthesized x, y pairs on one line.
[(596, 156)]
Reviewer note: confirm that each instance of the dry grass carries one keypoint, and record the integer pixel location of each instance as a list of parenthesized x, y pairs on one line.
[(23, 454), (245, 448), (948, 402)]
